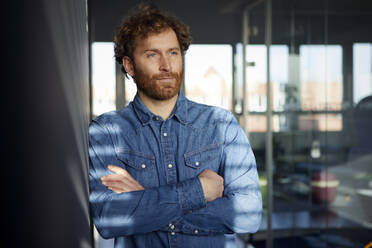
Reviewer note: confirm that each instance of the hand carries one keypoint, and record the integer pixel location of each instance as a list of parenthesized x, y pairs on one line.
[(212, 185), (121, 181)]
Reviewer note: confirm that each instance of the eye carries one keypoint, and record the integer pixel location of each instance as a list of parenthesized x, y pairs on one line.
[(174, 52), (151, 55)]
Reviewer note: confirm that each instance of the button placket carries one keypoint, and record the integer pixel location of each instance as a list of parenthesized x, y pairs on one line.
[(169, 162)]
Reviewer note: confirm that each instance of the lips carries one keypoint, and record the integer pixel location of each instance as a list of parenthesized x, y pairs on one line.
[(166, 79)]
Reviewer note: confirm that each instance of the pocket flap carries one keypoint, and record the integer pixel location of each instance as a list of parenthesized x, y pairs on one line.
[(136, 160), (198, 158)]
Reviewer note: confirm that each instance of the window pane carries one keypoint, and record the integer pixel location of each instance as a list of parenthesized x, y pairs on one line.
[(321, 86), (256, 75), (103, 77), (130, 89), (321, 77), (320, 122), (256, 82), (208, 74), (362, 67)]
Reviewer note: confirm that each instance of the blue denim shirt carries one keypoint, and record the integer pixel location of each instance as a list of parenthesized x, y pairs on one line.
[(165, 157)]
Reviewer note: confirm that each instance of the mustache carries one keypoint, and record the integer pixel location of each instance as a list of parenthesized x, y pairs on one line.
[(166, 75)]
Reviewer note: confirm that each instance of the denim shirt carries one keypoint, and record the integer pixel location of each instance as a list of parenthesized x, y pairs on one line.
[(166, 157)]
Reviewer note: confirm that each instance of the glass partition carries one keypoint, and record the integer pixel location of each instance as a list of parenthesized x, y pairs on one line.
[(321, 103)]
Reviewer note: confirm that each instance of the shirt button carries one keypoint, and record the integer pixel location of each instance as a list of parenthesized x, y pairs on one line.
[(165, 134), (172, 227), (197, 163), (170, 166), (143, 166), (196, 231), (157, 118), (173, 233)]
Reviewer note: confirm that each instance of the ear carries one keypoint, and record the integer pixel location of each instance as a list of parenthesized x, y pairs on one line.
[(128, 65)]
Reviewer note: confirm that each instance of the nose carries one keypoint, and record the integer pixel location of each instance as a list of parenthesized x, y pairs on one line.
[(165, 64)]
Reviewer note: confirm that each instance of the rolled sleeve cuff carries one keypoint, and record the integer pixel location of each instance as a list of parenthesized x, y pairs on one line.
[(190, 195)]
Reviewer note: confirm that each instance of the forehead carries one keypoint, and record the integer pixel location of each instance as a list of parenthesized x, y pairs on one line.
[(164, 40)]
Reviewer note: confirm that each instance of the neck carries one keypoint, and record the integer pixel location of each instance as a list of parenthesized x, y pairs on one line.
[(161, 108)]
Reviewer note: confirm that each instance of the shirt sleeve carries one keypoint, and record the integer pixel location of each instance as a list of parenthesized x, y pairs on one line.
[(134, 212), (240, 208)]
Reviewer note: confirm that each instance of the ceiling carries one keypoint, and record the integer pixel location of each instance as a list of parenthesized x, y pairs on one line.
[(220, 21)]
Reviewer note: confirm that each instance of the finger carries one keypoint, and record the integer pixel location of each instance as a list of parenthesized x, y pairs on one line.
[(117, 177), (130, 179), (124, 186), (132, 182), (120, 171), (115, 184), (121, 174), (116, 190), (119, 190), (121, 182), (113, 177), (117, 169), (135, 187)]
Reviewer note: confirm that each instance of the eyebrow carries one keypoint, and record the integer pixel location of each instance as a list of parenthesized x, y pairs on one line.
[(157, 50)]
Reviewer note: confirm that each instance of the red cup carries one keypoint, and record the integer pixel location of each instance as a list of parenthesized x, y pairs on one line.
[(324, 187)]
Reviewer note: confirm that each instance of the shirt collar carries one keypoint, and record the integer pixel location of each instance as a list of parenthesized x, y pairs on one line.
[(145, 115), (180, 110)]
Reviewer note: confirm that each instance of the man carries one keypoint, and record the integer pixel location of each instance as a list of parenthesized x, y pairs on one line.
[(165, 171)]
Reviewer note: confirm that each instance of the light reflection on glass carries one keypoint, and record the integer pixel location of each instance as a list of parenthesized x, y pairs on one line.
[(103, 77)]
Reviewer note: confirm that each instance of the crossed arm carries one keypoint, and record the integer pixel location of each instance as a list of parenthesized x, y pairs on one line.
[(210, 203), (122, 182)]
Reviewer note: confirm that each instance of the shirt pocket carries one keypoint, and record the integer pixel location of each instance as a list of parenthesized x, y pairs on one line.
[(140, 166), (207, 157)]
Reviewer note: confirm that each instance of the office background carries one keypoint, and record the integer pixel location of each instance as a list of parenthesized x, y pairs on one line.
[(311, 136)]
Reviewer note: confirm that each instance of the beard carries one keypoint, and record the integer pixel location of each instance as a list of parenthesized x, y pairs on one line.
[(154, 89)]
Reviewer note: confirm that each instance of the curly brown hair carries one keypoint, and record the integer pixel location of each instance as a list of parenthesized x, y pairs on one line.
[(146, 20)]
